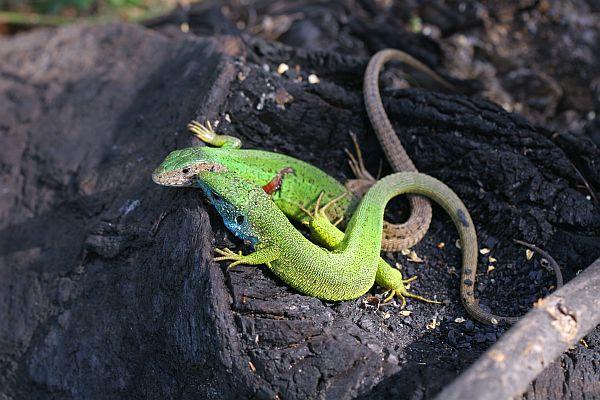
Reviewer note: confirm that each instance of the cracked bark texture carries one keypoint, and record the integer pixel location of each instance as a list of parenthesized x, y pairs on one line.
[(106, 280)]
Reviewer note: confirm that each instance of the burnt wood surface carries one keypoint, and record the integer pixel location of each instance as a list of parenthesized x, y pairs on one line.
[(556, 323), (107, 284)]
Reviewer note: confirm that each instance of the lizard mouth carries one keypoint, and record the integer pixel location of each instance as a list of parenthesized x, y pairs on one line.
[(185, 176)]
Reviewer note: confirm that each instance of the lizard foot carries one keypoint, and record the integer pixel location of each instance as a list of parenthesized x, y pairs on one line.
[(320, 211), (208, 135), (332, 202), (364, 180), (265, 255), (226, 254), (204, 133), (402, 292)]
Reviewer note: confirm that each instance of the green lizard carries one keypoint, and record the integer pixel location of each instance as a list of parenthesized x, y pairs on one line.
[(354, 264), (309, 181), (300, 191)]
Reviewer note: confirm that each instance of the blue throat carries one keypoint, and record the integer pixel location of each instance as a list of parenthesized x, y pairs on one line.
[(235, 221)]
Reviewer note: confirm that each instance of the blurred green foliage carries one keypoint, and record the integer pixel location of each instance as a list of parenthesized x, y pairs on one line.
[(84, 7), (59, 12)]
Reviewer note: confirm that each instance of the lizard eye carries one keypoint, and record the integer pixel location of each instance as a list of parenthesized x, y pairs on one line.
[(185, 170), (239, 219)]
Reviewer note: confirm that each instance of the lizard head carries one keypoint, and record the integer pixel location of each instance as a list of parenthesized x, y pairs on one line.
[(181, 167), (244, 206)]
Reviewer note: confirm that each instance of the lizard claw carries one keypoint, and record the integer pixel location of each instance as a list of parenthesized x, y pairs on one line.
[(318, 205), (226, 255), (332, 202), (356, 163), (391, 294), (389, 297), (320, 210), (403, 292), (364, 180), (397, 289), (208, 135), (406, 293), (204, 133)]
